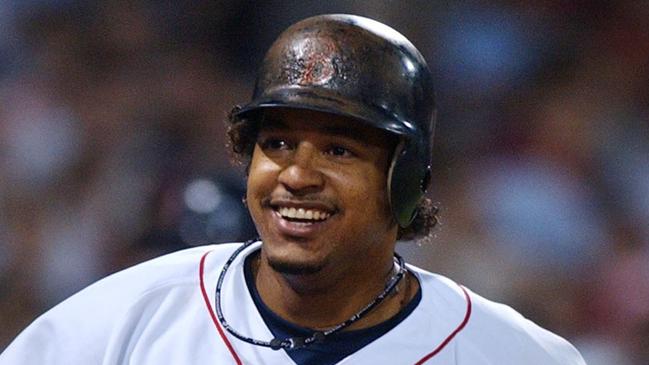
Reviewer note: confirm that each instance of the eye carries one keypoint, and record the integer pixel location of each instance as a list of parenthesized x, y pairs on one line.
[(339, 151), (274, 144)]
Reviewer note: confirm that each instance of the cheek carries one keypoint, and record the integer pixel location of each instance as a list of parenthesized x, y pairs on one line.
[(368, 195), (260, 182), (261, 173)]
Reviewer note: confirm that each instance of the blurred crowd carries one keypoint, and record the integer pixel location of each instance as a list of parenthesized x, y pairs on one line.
[(112, 148)]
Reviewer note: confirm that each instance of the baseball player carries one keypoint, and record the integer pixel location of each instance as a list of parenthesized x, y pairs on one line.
[(337, 144)]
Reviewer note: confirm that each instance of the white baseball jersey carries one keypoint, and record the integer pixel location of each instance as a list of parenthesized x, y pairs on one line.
[(162, 312)]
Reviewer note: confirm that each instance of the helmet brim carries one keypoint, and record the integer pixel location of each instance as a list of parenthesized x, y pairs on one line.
[(318, 100)]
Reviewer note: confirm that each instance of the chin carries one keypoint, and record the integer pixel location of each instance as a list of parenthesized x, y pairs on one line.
[(293, 255), (295, 268)]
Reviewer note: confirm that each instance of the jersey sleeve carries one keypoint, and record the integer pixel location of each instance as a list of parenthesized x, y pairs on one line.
[(85, 327), (74, 332)]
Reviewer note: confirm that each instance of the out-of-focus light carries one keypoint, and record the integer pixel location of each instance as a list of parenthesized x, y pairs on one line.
[(202, 196), (486, 49), (41, 143), (536, 211)]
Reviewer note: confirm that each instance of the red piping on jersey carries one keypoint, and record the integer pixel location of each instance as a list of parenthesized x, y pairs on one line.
[(211, 310), (455, 332)]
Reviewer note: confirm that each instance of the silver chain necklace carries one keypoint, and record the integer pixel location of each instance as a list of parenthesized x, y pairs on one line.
[(317, 336)]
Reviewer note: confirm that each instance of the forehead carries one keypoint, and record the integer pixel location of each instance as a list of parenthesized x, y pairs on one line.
[(329, 124)]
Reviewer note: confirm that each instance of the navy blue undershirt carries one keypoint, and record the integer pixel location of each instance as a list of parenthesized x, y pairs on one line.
[(337, 346)]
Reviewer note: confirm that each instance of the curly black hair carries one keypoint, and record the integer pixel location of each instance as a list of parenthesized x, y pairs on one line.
[(242, 133)]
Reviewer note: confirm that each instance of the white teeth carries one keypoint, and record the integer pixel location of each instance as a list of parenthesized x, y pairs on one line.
[(301, 213)]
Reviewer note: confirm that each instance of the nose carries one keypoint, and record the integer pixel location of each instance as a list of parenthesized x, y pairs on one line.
[(301, 174)]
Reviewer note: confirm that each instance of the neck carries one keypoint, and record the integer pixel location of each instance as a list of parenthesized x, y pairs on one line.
[(324, 299)]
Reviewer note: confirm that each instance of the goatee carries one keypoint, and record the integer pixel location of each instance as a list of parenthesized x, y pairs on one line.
[(292, 268)]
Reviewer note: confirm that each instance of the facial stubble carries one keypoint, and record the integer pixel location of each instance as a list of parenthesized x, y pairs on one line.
[(294, 268)]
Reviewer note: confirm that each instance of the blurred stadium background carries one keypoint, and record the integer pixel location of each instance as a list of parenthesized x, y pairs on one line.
[(112, 147)]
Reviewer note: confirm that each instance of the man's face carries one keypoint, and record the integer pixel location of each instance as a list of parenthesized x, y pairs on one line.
[(317, 190)]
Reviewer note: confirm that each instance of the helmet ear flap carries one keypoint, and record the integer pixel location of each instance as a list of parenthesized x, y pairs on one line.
[(407, 182), (428, 176)]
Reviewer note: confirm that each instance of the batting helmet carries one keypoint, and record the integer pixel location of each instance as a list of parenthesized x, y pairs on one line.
[(359, 68)]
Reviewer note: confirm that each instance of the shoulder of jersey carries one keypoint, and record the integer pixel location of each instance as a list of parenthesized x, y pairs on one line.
[(177, 268), (175, 271), (497, 334), (99, 320)]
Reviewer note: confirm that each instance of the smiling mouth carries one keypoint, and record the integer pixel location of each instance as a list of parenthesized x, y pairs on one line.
[(303, 215)]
